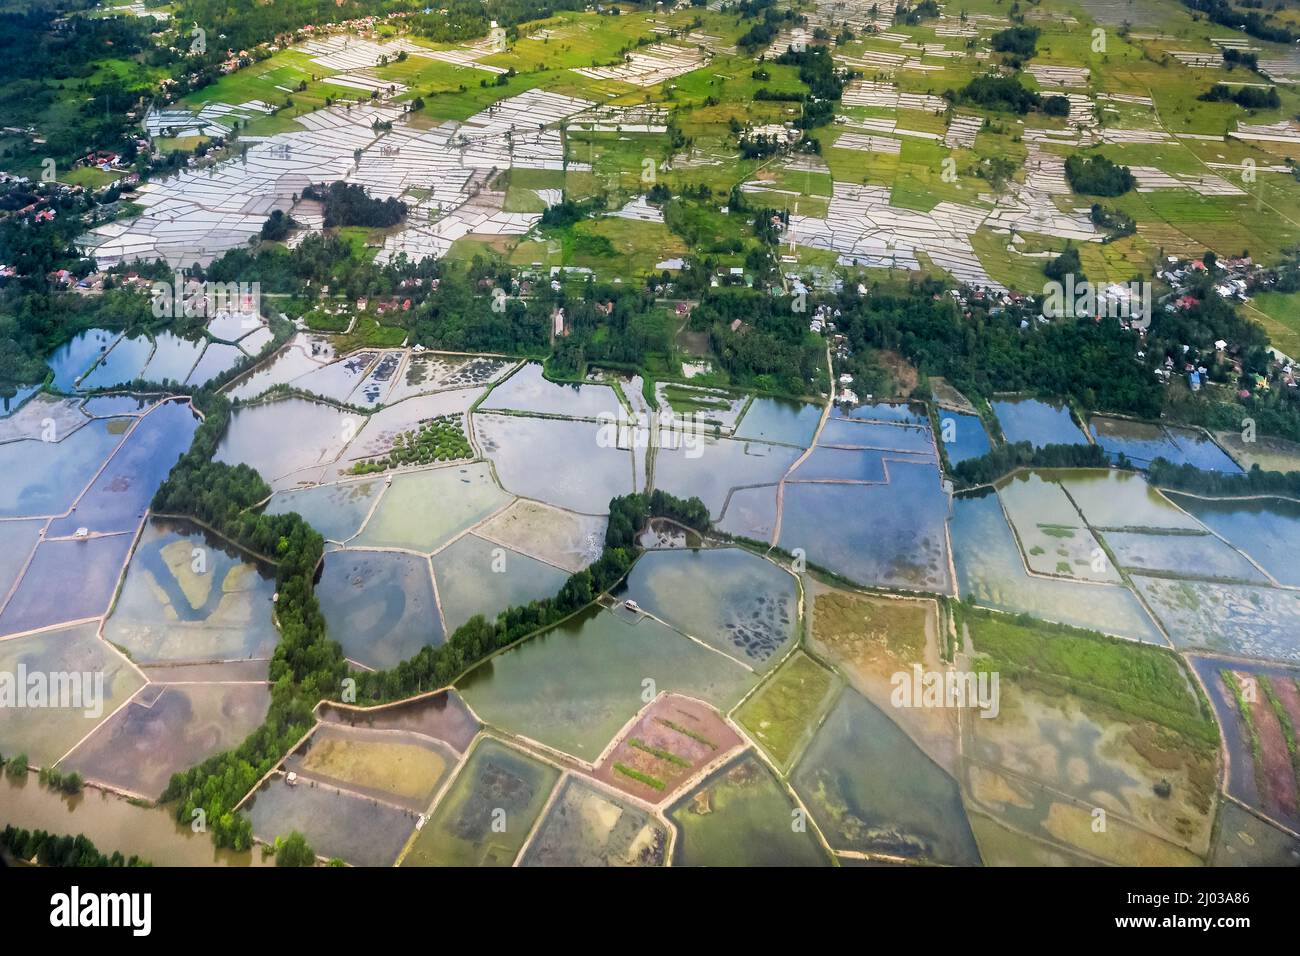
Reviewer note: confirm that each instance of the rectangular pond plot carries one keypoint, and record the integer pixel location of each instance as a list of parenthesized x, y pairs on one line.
[(1139, 442), (1234, 619), (903, 413), (44, 478), (18, 540), (575, 686), (850, 433), (393, 765), (1050, 530), (257, 340), (1121, 500), (913, 811), (374, 387), (962, 436), (735, 601), (191, 596), (120, 495), (487, 814), (562, 538), (785, 711), (46, 733), (1267, 529), (67, 580), (563, 463), (868, 640), (282, 437), (291, 362), (1143, 442), (442, 716), (585, 827), (233, 326), (337, 379), (337, 511), (423, 510), (1201, 556), (223, 672), (750, 513), (122, 364), (476, 576), (673, 739), (169, 730), (874, 534), (1037, 422), (217, 359), (842, 464), (429, 371), (356, 829), (528, 390), (75, 357), (120, 403), (173, 357), (741, 816), (991, 573), (379, 605), (780, 420), (701, 405), (709, 468), (1200, 450), (1260, 773)]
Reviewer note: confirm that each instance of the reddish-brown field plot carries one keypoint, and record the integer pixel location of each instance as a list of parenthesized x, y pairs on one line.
[(672, 740)]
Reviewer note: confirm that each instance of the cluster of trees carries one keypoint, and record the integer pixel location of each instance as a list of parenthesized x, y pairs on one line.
[(1098, 176), (987, 351), (1247, 97), (1066, 264), (1245, 58), (912, 15), (69, 783), (49, 849), (1117, 224), (1005, 458), (347, 204), (1260, 26), (568, 211), (994, 92), (765, 31), (1020, 42), (824, 81), (771, 349), (1057, 106), (1187, 477), (277, 225)]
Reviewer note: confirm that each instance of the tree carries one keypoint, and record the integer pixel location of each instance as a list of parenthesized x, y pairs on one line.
[(294, 850)]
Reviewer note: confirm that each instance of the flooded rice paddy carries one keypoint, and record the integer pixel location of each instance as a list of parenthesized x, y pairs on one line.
[(1037, 422), (191, 596)]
